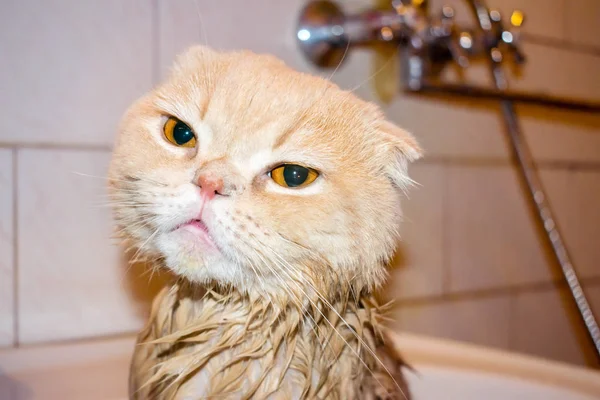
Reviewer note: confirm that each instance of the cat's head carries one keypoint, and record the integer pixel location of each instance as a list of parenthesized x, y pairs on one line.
[(240, 171)]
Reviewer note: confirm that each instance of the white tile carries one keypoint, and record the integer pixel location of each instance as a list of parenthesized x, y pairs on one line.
[(544, 325), (418, 268), (6, 248), (265, 26), (491, 235), (73, 68), (180, 25), (483, 321), (582, 18), (72, 282), (574, 197)]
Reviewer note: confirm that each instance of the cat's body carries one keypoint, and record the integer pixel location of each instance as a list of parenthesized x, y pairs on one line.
[(275, 197), (211, 344)]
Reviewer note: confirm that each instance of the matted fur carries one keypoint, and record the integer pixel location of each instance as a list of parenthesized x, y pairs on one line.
[(224, 345), (281, 306)]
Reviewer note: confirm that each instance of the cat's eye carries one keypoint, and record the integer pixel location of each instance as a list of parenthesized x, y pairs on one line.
[(293, 176), (179, 133)]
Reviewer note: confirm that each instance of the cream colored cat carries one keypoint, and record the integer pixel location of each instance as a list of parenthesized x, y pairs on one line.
[(275, 197)]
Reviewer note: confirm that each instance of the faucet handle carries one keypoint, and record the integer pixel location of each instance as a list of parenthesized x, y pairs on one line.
[(517, 18), (511, 37), (457, 44), (507, 38)]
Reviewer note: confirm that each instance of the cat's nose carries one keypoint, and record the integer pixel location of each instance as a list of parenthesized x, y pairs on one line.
[(210, 186), (218, 178)]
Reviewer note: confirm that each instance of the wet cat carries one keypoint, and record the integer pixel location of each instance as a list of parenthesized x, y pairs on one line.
[(274, 197)]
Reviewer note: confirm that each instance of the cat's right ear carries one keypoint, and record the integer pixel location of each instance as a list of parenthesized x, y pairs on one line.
[(401, 148)]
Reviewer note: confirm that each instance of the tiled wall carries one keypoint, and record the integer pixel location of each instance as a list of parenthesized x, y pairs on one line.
[(472, 266)]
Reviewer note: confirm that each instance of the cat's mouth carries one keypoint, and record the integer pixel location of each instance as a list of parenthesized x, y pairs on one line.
[(199, 228)]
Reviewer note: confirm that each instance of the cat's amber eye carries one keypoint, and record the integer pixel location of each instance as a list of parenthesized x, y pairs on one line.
[(179, 133), (293, 176)]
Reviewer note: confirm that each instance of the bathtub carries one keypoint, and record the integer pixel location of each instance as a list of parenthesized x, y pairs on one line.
[(445, 370)]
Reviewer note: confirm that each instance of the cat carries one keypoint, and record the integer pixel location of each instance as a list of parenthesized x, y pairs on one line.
[(274, 198)]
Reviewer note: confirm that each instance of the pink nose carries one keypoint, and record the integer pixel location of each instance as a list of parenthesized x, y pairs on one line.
[(210, 185)]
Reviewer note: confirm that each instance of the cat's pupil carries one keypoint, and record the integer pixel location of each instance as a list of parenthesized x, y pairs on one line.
[(182, 133), (295, 175)]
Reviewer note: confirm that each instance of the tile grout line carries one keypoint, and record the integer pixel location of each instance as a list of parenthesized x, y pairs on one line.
[(126, 334), (56, 146), (155, 45), (476, 294), (15, 260), (565, 20), (562, 44), (446, 275), (512, 300), (432, 160)]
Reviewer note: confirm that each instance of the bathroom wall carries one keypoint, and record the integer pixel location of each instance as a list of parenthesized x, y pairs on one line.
[(471, 267)]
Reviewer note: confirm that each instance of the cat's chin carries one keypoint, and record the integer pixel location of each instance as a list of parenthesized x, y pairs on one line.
[(190, 251)]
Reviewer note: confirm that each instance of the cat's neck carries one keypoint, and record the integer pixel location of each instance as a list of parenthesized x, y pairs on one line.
[(314, 341)]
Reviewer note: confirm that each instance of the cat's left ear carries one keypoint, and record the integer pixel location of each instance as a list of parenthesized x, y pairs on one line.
[(401, 148)]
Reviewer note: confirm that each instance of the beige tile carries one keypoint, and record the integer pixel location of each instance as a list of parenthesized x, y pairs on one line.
[(582, 18), (561, 136), (491, 237), (554, 71), (559, 72), (6, 248), (574, 197), (450, 128), (72, 283), (484, 321), (542, 326), (543, 17), (592, 291), (73, 68), (457, 129), (418, 269)]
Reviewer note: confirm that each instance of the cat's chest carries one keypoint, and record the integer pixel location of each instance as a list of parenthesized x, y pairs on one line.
[(261, 378)]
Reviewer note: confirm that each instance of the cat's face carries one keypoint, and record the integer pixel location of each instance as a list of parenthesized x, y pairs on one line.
[(240, 171)]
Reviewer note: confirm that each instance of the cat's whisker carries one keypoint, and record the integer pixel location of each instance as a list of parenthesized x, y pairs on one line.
[(373, 75), (111, 179), (361, 341), (344, 339), (303, 310), (202, 25), (249, 261), (341, 61), (306, 312)]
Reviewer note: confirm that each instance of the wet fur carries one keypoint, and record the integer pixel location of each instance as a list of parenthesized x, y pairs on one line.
[(284, 309)]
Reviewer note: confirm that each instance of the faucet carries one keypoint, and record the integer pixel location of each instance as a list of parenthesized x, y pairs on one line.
[(325, 33), (429, 43)]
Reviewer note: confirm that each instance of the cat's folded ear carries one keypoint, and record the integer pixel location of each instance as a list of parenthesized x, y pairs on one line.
[(401, 148)]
